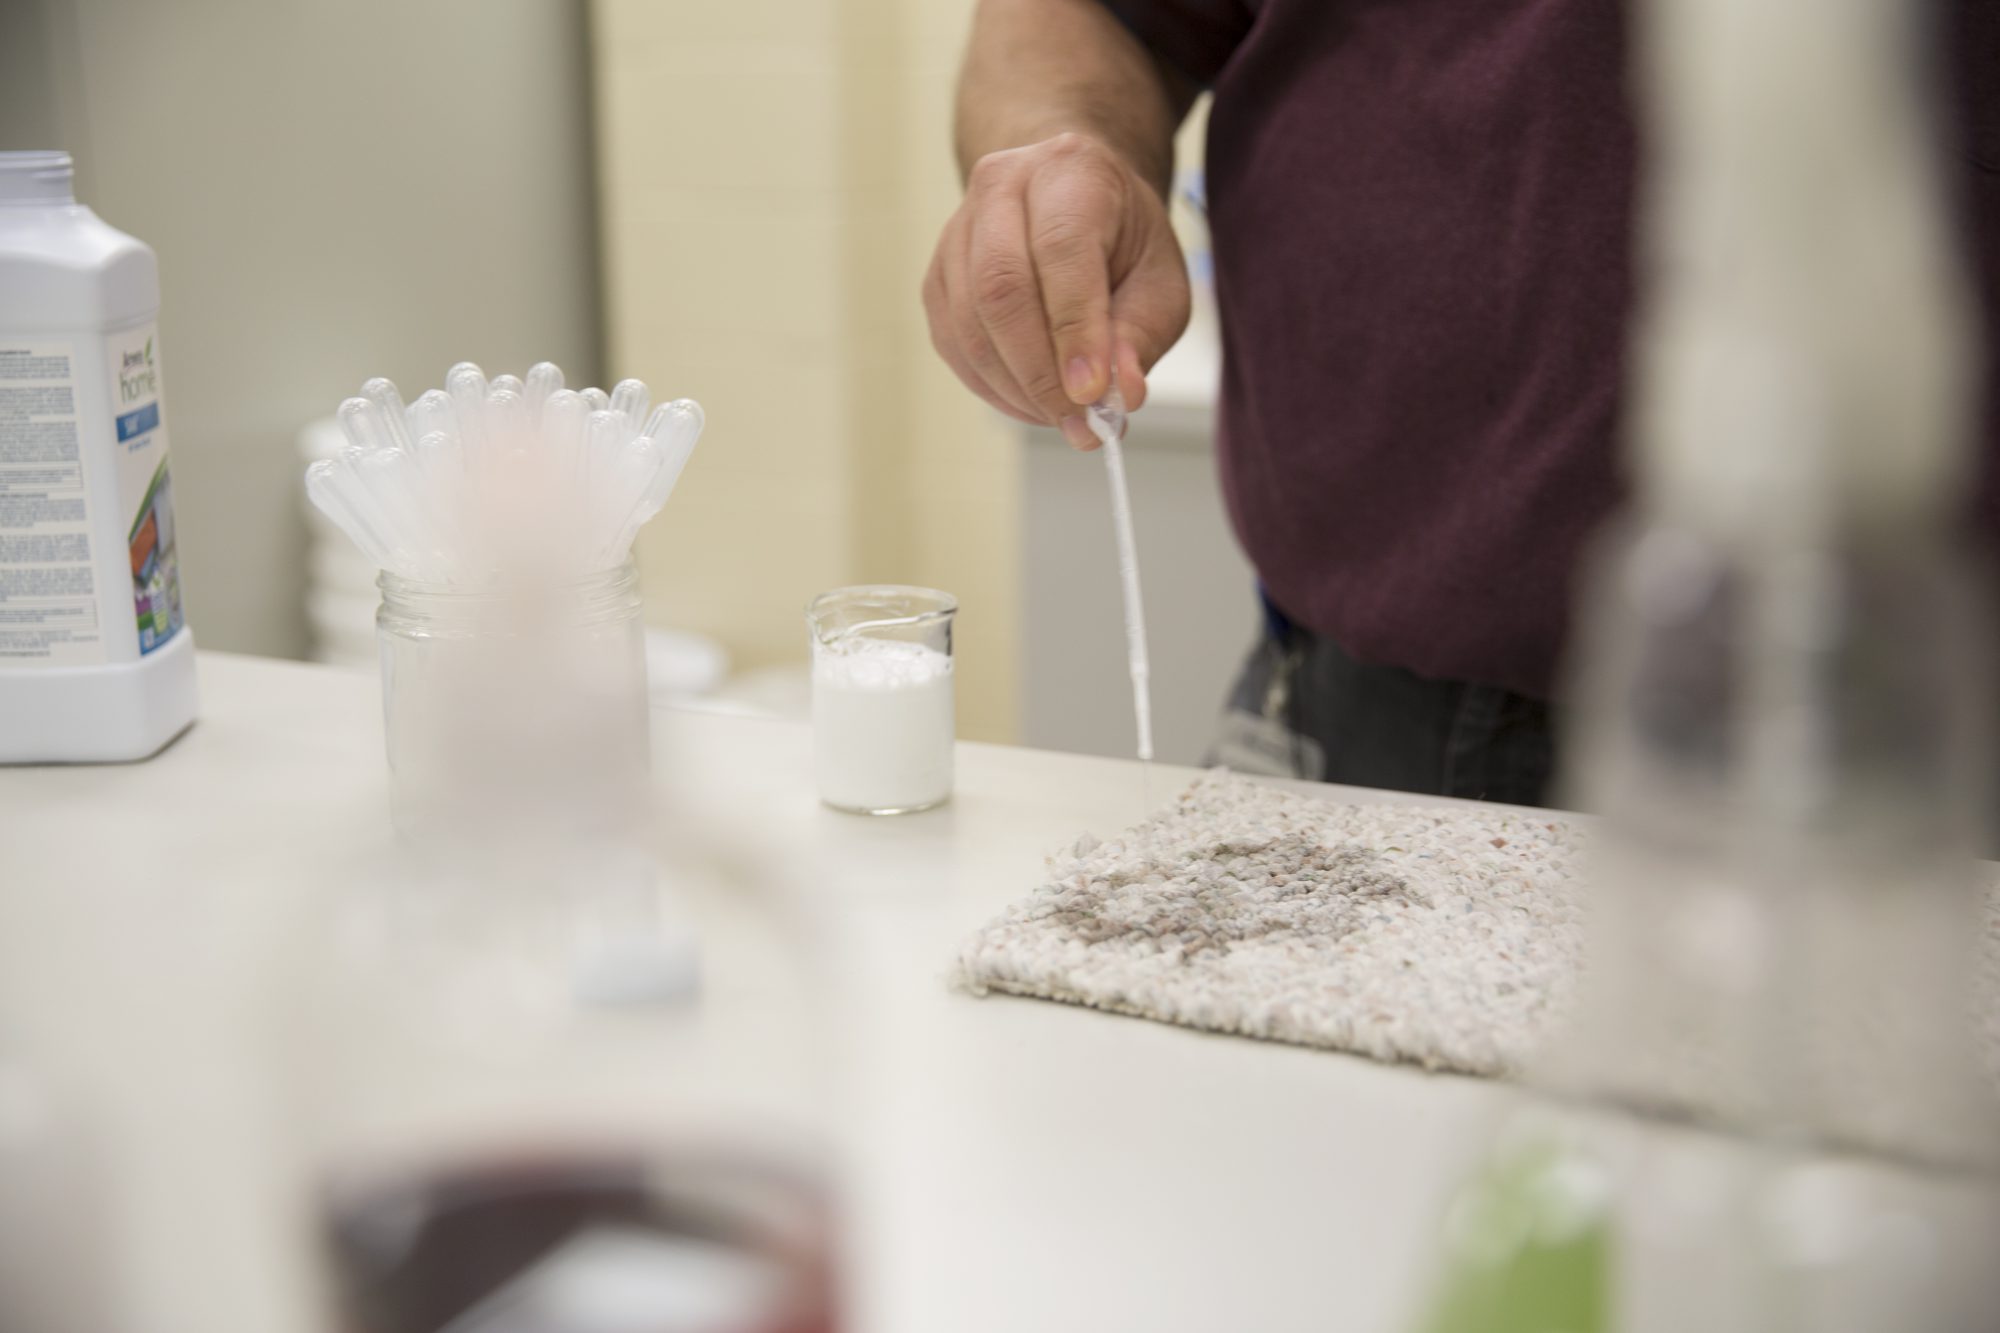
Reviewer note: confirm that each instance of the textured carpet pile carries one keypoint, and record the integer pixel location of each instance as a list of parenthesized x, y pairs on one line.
[(1444, 937)]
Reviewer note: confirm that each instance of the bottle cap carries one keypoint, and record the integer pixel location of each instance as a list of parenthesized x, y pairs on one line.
[(40, 177)]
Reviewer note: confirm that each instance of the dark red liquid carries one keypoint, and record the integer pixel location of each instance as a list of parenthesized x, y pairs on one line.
[(482, 1244)]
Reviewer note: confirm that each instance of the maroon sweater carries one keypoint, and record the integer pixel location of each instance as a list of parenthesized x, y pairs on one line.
[(1423, 223)]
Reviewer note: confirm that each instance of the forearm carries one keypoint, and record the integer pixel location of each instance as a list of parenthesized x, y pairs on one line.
[(1039, 68)]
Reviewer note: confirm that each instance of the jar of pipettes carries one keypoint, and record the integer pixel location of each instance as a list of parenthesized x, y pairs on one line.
[(512, 706), (502, 515)]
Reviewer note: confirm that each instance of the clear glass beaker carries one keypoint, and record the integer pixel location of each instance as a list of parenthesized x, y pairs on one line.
[(519, 709), (883, 703)]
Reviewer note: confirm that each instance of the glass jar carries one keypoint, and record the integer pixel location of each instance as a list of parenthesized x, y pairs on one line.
[(519, 709), (883, 703)]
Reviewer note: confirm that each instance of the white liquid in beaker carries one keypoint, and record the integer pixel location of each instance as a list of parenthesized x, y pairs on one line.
[(882, 725)]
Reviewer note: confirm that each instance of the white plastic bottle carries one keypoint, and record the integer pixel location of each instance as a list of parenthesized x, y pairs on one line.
[(96, 663)]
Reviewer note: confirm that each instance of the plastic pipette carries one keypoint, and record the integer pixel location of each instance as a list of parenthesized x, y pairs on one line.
[(677, 426), (442, 468), (482, 478), (629, 398), (506, 416), (1107, 422), (604, 436), (544, 379), (365, 426), (638, 463), (466, 385), (432, 414), (389, 478), (382, 393), (656, 463), (337, 493), (564, 418)]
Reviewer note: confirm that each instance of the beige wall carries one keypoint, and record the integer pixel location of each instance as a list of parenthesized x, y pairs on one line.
[(773, 172), (335, 191)]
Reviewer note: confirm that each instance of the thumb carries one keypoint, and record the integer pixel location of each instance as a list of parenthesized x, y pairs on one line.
[(1149, 312)]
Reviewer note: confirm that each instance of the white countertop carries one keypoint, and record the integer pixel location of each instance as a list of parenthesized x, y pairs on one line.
[(1017, 1165)]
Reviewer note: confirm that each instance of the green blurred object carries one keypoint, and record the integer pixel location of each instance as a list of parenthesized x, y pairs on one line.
[(1529, 1249)]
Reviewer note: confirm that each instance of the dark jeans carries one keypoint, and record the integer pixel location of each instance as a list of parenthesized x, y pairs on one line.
[(1303, 708)]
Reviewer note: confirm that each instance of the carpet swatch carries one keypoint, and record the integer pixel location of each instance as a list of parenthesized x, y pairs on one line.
[(1443, 937)]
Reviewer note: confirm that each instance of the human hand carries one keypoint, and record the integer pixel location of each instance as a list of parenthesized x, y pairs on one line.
[(1059, 266)]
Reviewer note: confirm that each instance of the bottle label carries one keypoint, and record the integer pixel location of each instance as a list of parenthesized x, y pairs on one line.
[(145, 488), (48, 590), (52, 558)]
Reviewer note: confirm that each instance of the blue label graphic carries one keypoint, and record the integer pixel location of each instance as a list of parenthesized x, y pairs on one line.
[(137, 423)]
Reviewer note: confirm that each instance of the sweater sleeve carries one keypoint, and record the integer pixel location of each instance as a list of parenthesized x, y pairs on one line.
[(1196, 37)]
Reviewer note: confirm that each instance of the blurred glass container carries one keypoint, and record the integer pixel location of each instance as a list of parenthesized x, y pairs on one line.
[(536, 1084), (1791, 748), (1589, 1220), (563, 1241), (883, 699), (502, 1126), (520, 707), (1772, 1110)]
